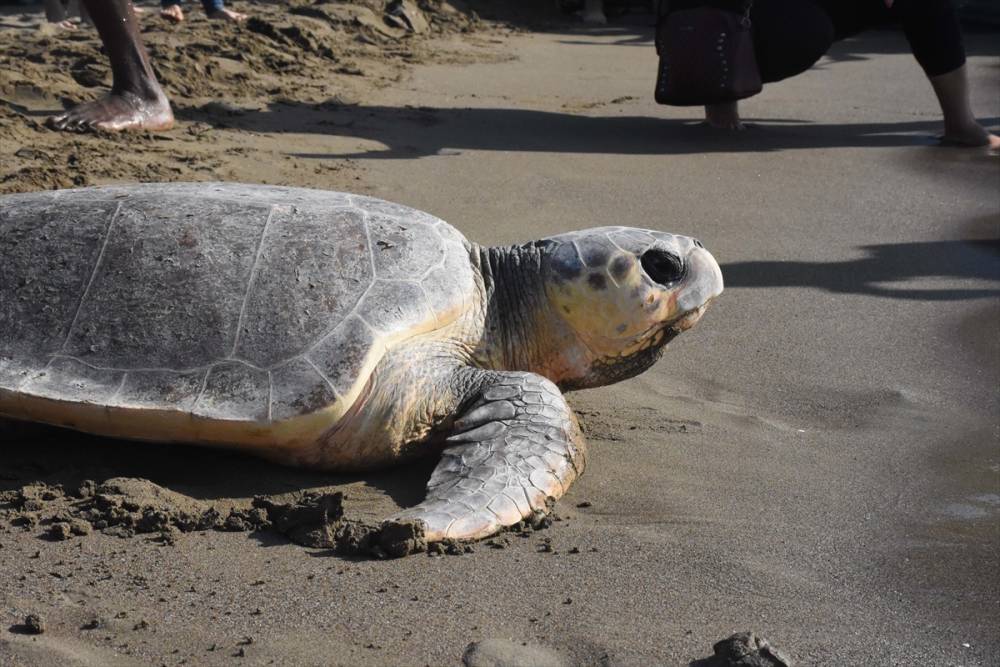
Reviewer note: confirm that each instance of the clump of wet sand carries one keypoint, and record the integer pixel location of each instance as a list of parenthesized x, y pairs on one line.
[(126, 507)]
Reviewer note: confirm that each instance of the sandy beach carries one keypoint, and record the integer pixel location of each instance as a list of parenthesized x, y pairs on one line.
[(818, 461)]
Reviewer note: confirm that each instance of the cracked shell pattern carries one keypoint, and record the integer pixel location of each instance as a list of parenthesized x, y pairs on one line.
[(230, 302)]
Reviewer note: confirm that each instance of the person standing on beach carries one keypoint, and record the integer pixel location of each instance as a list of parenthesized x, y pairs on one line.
[(214, 9), (790, 36), (136, 101)]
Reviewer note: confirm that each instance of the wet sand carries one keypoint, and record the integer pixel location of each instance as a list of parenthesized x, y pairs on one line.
[(817, 461)]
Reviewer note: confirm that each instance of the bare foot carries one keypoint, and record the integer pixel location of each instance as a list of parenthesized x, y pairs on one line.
[(172, 13), (116, 112), (227, 15), (65, 24), (724, 116)]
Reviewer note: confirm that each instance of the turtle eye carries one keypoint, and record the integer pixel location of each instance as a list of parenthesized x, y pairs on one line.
[(662, 266)]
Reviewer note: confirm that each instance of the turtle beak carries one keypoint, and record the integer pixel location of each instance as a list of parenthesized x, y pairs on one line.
[(704, 284)]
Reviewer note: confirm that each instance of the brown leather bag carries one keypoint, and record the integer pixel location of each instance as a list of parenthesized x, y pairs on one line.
[(706, 57)]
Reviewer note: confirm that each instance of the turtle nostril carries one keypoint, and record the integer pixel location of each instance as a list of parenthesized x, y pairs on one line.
[(698, 244), (662, 266)]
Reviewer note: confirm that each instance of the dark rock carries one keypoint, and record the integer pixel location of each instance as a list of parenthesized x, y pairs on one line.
[(33, 624), (59, 531), (744, 649)]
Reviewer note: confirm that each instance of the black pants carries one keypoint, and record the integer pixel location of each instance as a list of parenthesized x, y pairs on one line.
[(791, 35)]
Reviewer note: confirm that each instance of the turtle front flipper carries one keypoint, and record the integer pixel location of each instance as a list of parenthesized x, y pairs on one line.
[(515, 448)]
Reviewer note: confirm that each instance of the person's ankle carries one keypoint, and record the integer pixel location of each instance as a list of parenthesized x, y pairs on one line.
[(725, 115), (147, 92)]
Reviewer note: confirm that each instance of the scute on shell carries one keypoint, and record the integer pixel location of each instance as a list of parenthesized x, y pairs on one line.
[(221, 301)]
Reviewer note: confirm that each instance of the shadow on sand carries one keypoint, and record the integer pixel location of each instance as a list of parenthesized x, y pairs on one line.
[(884, 265), (34, 453), (413, 132)]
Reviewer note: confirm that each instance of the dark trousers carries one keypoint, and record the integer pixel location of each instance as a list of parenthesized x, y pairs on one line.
[(791, 35)]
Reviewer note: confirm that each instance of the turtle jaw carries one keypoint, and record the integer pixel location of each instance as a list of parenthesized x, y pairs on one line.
[(610, 370), (642, 355), (690, 318), (687, 321), (661, 334)]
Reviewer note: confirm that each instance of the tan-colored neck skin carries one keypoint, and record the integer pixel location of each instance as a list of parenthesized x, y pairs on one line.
[(522, 331)]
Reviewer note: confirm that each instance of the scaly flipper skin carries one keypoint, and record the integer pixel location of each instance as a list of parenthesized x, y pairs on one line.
[(517, 446)]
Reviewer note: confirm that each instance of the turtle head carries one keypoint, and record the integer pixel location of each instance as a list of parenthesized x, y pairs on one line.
[(624, 293)]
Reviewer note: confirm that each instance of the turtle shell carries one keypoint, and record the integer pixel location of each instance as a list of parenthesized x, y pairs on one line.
[(212, 312)]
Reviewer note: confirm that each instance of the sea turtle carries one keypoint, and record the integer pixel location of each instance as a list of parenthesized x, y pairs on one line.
[(334, 331)]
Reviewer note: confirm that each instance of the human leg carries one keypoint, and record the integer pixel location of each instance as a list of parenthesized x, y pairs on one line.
[(960, 124), (935, 36), (724, 116), (136, 101)]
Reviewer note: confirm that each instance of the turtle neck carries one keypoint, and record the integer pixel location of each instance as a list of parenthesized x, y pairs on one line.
[(522, 331)]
